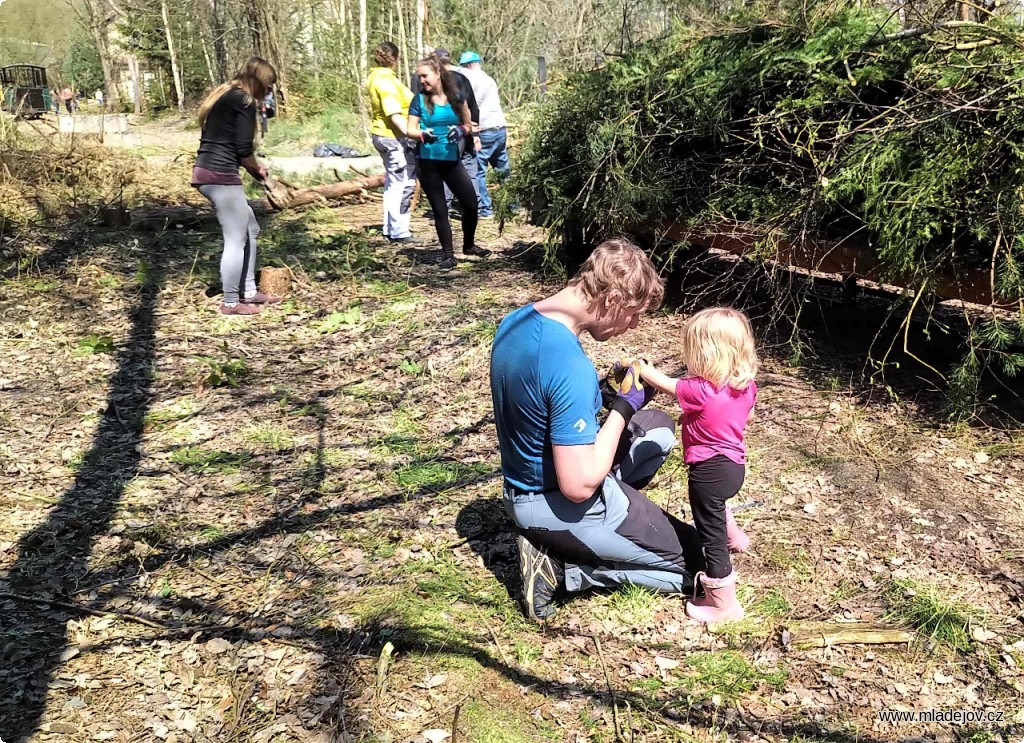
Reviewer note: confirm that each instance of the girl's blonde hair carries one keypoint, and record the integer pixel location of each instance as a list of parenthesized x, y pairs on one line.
[(718, 345), (256, 78)]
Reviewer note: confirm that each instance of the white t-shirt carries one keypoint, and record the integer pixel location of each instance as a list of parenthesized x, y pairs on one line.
[(487, 99)]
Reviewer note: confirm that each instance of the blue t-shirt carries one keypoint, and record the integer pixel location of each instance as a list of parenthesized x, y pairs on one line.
[(439, 121), (545, 392)]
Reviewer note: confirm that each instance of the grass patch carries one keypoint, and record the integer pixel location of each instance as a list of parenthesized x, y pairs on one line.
[(269, 436), (396, 445), (632, 605), (499, 724), (479, 333), (177, 411), (942, 620), (436, 475), (771, 605), (197, 459), (796, 563), (402, 313), (725, 676), (759, 622)]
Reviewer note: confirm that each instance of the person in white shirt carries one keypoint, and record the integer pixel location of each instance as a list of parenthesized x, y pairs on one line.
[(493, 148)]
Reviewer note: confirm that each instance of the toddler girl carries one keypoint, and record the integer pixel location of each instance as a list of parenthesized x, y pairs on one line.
[(717, 396)]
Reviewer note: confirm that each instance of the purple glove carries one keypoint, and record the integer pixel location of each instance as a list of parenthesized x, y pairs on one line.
[(630, 392), (456, 134)]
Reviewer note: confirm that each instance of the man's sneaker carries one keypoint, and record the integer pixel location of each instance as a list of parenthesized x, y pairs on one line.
[(542, 577), (447, 263), (476, 251)]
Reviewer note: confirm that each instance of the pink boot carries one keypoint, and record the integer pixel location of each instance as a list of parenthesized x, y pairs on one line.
[(719, 603), (738, 540)]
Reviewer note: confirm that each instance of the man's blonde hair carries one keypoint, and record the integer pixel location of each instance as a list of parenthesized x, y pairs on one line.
[(718, 345), (620, 273)]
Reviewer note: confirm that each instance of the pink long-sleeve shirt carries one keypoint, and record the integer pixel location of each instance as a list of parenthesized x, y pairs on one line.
[(714, 419)]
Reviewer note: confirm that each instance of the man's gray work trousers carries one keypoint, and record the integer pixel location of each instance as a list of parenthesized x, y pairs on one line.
[(617, 536)]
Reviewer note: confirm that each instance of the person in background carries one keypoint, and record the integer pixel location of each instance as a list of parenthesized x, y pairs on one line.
[(55, 101), (268, 110), (389, 111), (439, 118), (493, 136), (68, 97), (469, 156), (99, 97), (227, 117)]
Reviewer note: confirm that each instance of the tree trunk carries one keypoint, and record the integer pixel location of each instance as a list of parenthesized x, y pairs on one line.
[(263, 25), (219, 51), (421, 20), (133, 70), (179, 93), (209, 60), (98, 17), (363, 51), (403, 41)]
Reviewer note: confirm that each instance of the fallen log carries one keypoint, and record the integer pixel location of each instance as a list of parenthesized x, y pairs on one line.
[(804, 635), (182, 216), (283, 197)]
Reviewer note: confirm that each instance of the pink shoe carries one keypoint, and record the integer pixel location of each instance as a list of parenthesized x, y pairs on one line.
[(719, 603), (738, 540), (241, 309), (261, 298)]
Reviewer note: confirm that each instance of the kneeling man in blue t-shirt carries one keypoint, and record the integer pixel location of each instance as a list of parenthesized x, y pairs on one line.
[(571, 483)]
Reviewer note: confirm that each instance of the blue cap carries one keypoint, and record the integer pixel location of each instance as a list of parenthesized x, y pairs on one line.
[(469, 58)]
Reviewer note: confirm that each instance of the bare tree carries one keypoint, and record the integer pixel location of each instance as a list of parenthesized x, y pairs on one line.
[(179, 90), (97, 17)]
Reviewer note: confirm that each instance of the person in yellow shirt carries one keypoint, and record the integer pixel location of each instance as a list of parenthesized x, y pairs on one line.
[(389, 107)]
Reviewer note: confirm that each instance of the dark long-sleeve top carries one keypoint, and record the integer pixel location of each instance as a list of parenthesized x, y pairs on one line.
[(228, 133)]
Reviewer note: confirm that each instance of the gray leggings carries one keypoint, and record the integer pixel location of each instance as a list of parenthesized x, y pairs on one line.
[(240, 228)]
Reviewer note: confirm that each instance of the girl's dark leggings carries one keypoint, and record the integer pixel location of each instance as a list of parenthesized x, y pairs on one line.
[(713, 482), (433, 175)]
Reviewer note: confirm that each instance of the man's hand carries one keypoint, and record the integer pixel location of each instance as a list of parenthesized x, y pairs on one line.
[(628, 387)]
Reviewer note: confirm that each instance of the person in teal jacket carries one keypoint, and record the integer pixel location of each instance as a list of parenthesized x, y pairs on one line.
[(439, 118)]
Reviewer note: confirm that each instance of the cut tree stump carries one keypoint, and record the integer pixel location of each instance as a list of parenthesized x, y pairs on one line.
[(282, 196), (276, 282), (804, 635)]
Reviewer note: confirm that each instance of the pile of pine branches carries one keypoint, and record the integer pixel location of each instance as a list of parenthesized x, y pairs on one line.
[(822, 122)]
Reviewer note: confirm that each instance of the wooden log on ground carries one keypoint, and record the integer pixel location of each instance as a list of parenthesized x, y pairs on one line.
[(804, 635), (157, 218), (283, 197)]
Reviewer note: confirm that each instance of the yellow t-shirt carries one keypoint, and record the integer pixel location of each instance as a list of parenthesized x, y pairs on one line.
[(388, 96)]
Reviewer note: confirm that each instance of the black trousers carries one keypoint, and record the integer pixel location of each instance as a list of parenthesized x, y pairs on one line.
[(711, 483), (434, 175)]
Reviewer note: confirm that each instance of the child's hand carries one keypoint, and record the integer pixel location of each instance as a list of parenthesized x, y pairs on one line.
[(645, 368)]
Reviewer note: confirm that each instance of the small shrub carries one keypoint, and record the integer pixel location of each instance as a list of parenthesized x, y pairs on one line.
[(93, 344)]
